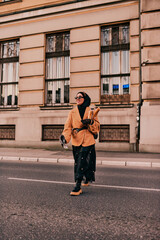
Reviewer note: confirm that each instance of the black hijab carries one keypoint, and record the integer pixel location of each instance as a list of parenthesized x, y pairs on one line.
[(85, 104)]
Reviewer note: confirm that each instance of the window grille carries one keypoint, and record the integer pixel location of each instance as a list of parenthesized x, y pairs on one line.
[(57, 69), (9, 66), (114, 133), (115, 69), (51, 132), (7, 132)]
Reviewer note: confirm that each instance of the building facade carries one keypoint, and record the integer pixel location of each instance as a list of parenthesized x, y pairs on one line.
[(50, 50)]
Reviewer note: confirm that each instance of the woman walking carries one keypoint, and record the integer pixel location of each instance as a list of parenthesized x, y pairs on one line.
[(82, 128)]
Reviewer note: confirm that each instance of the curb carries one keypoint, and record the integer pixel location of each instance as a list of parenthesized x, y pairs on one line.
[(100, 161), (114, 163), (47, 160)]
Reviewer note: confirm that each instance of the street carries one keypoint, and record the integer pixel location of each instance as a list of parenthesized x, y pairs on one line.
[(123, 203)]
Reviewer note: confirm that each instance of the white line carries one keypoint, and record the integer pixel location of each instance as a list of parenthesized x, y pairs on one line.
[(42, 181), (130, 188), (95, 185)]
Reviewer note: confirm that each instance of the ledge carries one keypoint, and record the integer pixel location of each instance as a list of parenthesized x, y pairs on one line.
[(56, 107), (115, 105), (49, 11), (9, 2), (9, 108)]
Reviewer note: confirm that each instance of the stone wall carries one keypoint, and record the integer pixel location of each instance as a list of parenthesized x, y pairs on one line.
[(150, 114)]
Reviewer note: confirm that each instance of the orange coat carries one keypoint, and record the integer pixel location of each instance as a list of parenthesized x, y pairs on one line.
[(83, 137)]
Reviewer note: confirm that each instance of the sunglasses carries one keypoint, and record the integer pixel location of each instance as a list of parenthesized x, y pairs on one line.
[(79, 97)]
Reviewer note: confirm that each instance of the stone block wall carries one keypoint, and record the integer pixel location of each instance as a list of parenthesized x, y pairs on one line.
[(150, 44), (31, 70)]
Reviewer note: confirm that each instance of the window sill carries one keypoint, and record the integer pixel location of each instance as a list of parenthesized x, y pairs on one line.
[(4, 108), (9, 2), (56, 107), (128, 105)]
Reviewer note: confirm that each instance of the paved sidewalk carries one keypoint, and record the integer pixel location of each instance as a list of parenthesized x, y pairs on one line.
[(65, 156)]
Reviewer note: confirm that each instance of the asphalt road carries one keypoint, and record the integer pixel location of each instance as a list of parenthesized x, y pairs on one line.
[(123, 204)]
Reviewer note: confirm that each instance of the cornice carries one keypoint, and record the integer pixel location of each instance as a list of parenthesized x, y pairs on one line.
[(53, 9)]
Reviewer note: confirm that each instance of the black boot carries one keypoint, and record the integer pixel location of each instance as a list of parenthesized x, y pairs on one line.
[(85, 183), (77, 190)]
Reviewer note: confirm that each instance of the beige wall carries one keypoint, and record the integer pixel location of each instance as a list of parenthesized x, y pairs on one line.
[(32, 70), (147, 5), (150, 73), (150, 50), (85, 62), (150, 129), (150, 112), (134, 61), (151, 54)]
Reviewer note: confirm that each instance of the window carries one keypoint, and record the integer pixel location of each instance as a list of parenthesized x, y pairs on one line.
[(9, 65), (57, 69), (115, 73)]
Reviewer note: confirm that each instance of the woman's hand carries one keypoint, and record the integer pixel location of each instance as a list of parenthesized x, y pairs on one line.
[(62, 140), (87, 121)]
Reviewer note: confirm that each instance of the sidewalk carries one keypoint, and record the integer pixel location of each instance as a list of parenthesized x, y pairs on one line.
[(65, 156)]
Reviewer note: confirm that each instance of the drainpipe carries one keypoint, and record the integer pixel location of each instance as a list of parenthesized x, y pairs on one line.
[(139, 105)]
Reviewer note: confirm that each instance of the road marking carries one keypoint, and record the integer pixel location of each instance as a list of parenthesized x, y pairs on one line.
[(95, 185), (37, 180), (130, 188)]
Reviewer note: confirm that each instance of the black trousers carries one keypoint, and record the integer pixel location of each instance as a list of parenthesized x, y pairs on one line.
[(85, 162)]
